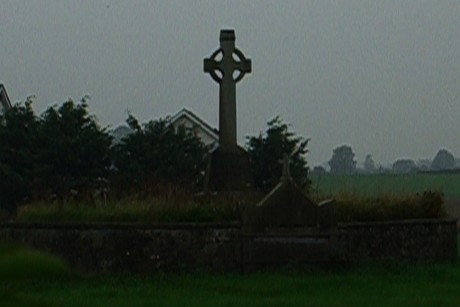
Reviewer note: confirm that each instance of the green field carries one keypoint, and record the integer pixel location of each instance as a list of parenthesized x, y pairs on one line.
[(375, 185), (398, 287), (393, 285)]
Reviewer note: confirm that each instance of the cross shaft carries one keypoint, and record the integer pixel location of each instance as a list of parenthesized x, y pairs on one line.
[(227, 71)]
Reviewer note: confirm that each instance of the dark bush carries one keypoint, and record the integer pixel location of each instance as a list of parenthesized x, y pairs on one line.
[(18, 154), (267, 151), (61, 152), (157, 153)]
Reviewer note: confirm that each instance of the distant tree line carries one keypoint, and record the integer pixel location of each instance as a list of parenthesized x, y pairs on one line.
[(343, 162), (443, 161), (64, 153)]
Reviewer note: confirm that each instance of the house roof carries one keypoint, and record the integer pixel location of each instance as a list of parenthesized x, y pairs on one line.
[(196, 120), (5, 102)]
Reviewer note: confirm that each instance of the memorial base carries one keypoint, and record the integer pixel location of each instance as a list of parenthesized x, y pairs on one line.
[(229, 170)]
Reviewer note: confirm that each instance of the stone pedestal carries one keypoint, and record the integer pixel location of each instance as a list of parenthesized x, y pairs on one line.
[(228, 170)]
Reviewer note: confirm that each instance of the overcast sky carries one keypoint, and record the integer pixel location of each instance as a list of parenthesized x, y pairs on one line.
[(381, 76)]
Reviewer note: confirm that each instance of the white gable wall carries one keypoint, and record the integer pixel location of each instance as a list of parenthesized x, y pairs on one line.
[(4, 100), (201, 133)]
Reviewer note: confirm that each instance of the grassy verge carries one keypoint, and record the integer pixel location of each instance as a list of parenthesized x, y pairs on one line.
[(31, 278), (22, 266), (17, 263), (399, 286), (351, 207), (149, 210)]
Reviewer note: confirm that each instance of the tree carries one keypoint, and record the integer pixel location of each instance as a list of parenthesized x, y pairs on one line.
[(266, 153), (74, 150), (369, 165), (157, 153), (423, 164), (443, 160), (404, 166), (18, 144), (342, 161), (62, 151)]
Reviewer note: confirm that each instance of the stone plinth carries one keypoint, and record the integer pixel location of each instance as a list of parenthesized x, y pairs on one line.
[(229, 170)]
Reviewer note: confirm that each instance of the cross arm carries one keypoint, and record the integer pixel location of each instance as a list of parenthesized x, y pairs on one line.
[(244, 66), (210, 66)]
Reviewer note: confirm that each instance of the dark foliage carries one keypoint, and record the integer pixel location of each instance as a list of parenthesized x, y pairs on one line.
[(404, 166), (157, 154), (18, 154), (444, 160), (74, 150), (62, 152), (343, 160), (369, 164), (266, 153)]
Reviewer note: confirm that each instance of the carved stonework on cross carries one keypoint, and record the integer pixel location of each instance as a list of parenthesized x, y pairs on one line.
[(227, 66)]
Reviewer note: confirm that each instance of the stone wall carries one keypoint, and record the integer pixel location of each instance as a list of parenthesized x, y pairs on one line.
[(132, 247), (218, 247), (412, 240)]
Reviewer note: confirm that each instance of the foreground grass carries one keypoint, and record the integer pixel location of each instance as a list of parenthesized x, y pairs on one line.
[(23, 266), (420, 286), (393, 285)]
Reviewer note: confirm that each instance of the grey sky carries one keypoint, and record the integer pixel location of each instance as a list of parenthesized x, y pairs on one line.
[(381, 76)]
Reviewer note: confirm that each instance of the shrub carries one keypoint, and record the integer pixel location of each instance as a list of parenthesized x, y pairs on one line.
[(62, 150), (267, 151), (18, 143), (178, 205), (157, 153), (163, 205), (20, 263)]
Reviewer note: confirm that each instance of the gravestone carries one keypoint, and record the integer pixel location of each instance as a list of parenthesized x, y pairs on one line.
[(286, 206), (229, 167), (286, 226)]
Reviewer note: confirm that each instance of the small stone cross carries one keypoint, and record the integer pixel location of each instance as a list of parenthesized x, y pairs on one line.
[(286, 174), (227, 66)]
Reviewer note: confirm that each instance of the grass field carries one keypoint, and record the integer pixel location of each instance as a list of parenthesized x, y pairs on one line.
[(394, 285), (376, 185), (397, 287)]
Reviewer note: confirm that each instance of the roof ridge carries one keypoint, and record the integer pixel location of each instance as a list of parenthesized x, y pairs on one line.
[(192, 114), (6, 102)]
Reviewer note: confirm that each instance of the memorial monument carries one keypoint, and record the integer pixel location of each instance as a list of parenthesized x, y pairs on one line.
[(229, 168)]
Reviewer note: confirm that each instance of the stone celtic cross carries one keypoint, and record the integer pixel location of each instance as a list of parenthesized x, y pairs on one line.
[(227, 66)]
